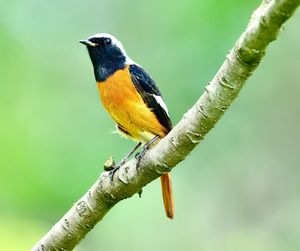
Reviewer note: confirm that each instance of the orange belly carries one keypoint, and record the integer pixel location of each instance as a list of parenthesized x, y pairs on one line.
[(127, 108)]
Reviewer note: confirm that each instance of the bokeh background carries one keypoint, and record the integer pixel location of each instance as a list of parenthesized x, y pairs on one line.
[(239, 190)]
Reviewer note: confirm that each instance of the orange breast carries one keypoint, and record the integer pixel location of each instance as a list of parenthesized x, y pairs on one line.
[(127, 108)]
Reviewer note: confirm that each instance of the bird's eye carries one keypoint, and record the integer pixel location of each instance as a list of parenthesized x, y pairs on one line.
[(107, 41)]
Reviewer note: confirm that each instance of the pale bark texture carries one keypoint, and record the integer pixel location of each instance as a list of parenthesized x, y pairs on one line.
[(264, 26)]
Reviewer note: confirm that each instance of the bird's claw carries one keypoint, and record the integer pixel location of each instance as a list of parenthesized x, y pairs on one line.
[(113, 171), (140, 155)]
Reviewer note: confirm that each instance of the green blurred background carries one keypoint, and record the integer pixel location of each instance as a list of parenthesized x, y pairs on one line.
[(239, 190)]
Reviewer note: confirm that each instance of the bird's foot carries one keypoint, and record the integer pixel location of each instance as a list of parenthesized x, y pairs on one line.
[(145, 148), (114, 168), (139, 157), (113, 171)]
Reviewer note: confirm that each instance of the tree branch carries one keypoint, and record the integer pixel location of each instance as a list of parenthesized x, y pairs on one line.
[(239, 64)]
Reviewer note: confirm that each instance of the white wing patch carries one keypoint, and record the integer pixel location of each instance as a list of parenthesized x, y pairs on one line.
[(161, 103)]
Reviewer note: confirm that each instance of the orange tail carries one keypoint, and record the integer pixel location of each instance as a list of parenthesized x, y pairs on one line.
[(166, 185)]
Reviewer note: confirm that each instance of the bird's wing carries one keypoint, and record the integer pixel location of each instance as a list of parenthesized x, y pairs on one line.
[(150, 94)]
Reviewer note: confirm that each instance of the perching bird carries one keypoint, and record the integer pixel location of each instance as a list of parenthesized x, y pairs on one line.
[(132, 99)]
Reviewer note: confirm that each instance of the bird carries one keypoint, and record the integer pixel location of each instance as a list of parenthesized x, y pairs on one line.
[(132, 99)]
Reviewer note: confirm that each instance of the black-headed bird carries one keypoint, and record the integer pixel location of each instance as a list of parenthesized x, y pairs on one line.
[(131, 98)]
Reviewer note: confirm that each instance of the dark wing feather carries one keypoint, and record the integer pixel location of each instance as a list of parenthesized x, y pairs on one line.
[(147, 88)]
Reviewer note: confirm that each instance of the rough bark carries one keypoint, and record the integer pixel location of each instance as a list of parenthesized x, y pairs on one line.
[(241, 61)]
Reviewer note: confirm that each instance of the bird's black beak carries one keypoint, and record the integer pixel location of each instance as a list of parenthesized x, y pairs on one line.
[(87, 43)]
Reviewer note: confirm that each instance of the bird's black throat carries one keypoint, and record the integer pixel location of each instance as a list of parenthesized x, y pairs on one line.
[(106, 61)]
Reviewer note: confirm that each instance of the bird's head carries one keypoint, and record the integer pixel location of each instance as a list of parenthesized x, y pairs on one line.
[(107, 54)]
